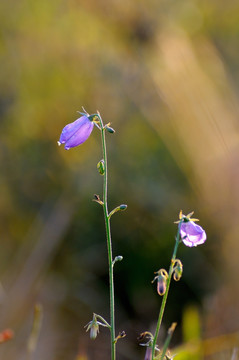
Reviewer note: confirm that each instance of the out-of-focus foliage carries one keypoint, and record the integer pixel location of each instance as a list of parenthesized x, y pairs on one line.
[(166, 74)]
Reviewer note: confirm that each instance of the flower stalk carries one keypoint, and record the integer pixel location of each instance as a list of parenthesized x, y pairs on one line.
[(108, 237), (170, 273)]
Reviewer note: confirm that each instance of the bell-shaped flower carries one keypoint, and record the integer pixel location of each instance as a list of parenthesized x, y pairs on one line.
[(93, 326), (192, 234), (76, 133)]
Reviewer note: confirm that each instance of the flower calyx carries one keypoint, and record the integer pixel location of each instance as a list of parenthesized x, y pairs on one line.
[(185, 218), (94, 325), (177, 269), (161, 279), (94, 118)]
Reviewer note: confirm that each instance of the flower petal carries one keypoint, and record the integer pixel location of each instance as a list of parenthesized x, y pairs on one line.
[(192, 234), (76, 133)]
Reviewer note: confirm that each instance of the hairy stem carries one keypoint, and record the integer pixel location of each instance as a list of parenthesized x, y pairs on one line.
[(164, 300), (109, 242)]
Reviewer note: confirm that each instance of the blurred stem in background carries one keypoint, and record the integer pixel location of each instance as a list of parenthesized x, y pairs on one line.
[(36, 327)]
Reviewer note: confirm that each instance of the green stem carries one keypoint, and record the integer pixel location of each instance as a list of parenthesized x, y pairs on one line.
[(109, 243), (162, 308)]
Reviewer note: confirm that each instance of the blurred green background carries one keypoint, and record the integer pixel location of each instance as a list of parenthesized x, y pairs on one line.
[(166, 75)]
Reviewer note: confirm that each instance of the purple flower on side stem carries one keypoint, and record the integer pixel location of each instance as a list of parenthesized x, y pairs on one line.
[(76, 133), (191, 233)]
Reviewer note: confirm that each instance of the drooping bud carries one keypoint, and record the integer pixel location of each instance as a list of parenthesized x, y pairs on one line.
[(161, 281), (109, 129), (93, 326), (147, 339), (101, 167), (178, 270), (161, 285)]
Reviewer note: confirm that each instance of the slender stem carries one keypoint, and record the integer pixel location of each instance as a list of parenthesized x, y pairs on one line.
[(109, 243), (162, 308)]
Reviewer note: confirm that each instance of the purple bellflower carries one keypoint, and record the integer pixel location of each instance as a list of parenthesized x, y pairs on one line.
[(76, 133), (191, 233)]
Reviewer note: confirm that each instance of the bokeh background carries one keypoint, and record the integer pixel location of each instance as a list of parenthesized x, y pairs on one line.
[(166, 75)]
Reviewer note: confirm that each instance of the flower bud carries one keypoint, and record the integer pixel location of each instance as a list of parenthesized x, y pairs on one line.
[(118, 258), (178, 270), (109, 129), (93, 326), (123, 207), (101, 167), (161, 281), (161, 285)]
